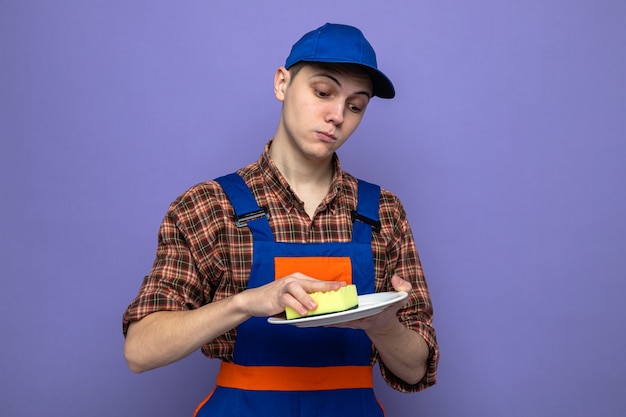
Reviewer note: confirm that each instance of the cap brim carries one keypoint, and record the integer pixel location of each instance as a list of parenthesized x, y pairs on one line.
[(383, 87)]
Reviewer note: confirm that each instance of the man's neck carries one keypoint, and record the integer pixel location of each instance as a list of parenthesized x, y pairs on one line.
[(299, 170), (309, 179)]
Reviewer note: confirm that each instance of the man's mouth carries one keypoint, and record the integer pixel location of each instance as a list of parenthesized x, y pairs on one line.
[(327, 135)]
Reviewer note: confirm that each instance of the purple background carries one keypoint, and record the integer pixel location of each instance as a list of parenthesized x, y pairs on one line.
[(506, 142)]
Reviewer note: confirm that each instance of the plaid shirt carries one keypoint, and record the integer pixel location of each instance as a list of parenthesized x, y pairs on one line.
[(202, 256)]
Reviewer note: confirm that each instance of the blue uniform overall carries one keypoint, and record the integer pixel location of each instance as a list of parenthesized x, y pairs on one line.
[(283, 370)]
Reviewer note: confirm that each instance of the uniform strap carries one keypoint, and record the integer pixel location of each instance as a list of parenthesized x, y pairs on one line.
[(247, 211), (365, 217)]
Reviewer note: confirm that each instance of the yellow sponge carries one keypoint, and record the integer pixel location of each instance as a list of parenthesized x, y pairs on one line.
[(343, 299)]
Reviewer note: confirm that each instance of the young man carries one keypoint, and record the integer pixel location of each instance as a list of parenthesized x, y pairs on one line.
[(234, 251)]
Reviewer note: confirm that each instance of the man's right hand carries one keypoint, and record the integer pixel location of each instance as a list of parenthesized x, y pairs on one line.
[(292, 291)]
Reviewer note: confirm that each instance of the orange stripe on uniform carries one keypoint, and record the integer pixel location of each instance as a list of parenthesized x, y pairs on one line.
[(327, 268), (293, 378), (197, 410)]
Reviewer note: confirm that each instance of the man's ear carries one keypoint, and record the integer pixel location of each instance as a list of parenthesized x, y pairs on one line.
[(281, 81)]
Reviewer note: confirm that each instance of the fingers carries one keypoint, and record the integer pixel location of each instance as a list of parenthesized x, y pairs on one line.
[(294, 295), (400, 285), (310, 284), (296, 290)]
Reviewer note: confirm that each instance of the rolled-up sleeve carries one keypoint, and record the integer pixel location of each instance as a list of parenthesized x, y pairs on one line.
[(402, 259)]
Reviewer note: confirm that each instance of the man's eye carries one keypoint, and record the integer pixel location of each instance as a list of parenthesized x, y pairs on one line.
[(354, 108), (321, 93)]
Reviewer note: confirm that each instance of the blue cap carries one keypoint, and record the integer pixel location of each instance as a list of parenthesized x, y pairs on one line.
[(341, 44)]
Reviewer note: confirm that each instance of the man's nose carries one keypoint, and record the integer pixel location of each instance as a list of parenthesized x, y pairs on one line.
[(335, 112)]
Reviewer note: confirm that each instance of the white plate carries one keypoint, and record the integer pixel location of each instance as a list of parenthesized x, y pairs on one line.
[(369, 304)]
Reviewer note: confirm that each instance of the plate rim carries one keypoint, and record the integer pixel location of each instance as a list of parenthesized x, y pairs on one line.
[(399, 295)]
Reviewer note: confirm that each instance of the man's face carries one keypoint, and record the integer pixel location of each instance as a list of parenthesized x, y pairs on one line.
[(322, 107)]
